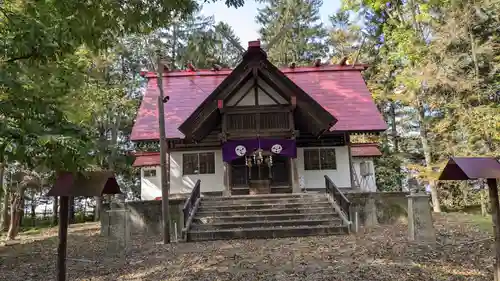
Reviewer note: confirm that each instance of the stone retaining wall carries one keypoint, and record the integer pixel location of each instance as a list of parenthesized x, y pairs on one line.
[(143, 217), (379, 207)]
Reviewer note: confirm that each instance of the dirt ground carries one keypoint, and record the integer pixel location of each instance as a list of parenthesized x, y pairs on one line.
[(463, 252)]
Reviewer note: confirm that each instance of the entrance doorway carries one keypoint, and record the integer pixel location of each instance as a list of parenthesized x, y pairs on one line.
[(279, 175)]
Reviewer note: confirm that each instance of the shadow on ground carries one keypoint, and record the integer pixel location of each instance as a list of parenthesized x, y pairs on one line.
[(378, 254)]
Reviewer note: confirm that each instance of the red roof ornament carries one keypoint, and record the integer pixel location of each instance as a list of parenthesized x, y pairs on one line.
[(191, 67), (220, 104), (216, 67), (343, 61), (254, 44)]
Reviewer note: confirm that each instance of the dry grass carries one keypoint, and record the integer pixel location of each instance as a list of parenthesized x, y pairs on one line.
[(382, 253)]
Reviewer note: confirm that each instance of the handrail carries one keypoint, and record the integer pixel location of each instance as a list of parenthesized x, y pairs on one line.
[(339, 198), (190, 204)]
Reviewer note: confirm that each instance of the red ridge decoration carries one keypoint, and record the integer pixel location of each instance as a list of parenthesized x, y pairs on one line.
[(254, 44)]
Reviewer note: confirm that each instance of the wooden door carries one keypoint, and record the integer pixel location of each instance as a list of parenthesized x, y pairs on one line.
[(280, 174)]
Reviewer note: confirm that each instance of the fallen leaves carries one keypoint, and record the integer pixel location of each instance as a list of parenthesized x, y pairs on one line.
[(462, 253)]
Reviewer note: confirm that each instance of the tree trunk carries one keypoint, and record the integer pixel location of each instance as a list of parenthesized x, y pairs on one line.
[(55, 211), (484, 209), (15, 215), (4, 218), (114, 142), (33, 211), (72, 210), (21, 212), (395, 137), (428, 158), (98, 208), (394, 132)]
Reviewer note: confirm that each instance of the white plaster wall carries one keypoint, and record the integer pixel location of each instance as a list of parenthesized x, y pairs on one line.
[(316, 179), (367, 183), (150, 187), (185, 184)]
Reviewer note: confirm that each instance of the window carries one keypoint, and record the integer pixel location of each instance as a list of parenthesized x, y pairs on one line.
[(320, 159), (149, 173), (198, 163)]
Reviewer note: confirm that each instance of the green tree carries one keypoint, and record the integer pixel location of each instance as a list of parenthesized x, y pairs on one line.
[(294, 29), (344, 37), (435, 71), (215, 45), (42, 72)]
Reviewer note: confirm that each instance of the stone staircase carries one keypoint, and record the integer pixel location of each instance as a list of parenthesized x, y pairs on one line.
[(265, 216)]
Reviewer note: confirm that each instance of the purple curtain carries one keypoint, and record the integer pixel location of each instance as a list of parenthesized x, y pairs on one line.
[(238, 148)]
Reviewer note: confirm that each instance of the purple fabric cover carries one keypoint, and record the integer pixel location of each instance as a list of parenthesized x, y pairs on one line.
[(277, 146)]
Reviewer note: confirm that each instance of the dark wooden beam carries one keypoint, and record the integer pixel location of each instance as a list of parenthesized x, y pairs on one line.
[(261, 108), (199, 128), (63, 237), (268, 94), (236, 89), (242, 97), (255, 85), (307, 122), (305, 101), (495, 216), (264, 134), (221, 92), (282, 91), (227, 90)]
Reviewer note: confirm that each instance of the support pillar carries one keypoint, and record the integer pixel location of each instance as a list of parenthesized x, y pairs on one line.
[(371, 219), (495, 216), (295, 176), (420, 224), (351, 170), (227, 186)]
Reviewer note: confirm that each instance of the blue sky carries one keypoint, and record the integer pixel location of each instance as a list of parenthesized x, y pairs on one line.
[(243, 19)]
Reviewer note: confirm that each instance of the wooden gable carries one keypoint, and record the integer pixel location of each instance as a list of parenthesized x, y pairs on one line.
[(256, 92), (257, 84)]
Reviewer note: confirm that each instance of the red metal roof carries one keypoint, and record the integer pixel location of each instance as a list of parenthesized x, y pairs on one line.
[(147, 159), (365, 150), (341, 90)]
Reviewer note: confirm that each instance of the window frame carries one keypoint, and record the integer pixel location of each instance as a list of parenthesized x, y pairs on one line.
[(209, 168), (147, 170), (319, 165)]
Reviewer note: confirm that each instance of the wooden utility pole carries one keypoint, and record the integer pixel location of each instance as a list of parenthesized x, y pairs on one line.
[(163, 154)]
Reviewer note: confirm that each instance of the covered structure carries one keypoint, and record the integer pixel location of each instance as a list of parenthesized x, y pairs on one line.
[(71, 184), (283, 128), (473, 168)]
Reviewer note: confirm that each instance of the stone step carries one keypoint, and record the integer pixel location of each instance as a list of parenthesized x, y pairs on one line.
[(311, 209), (266, 232), (260, 196), (330, 214), (276, 206), (265, 224), (311, 200)]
